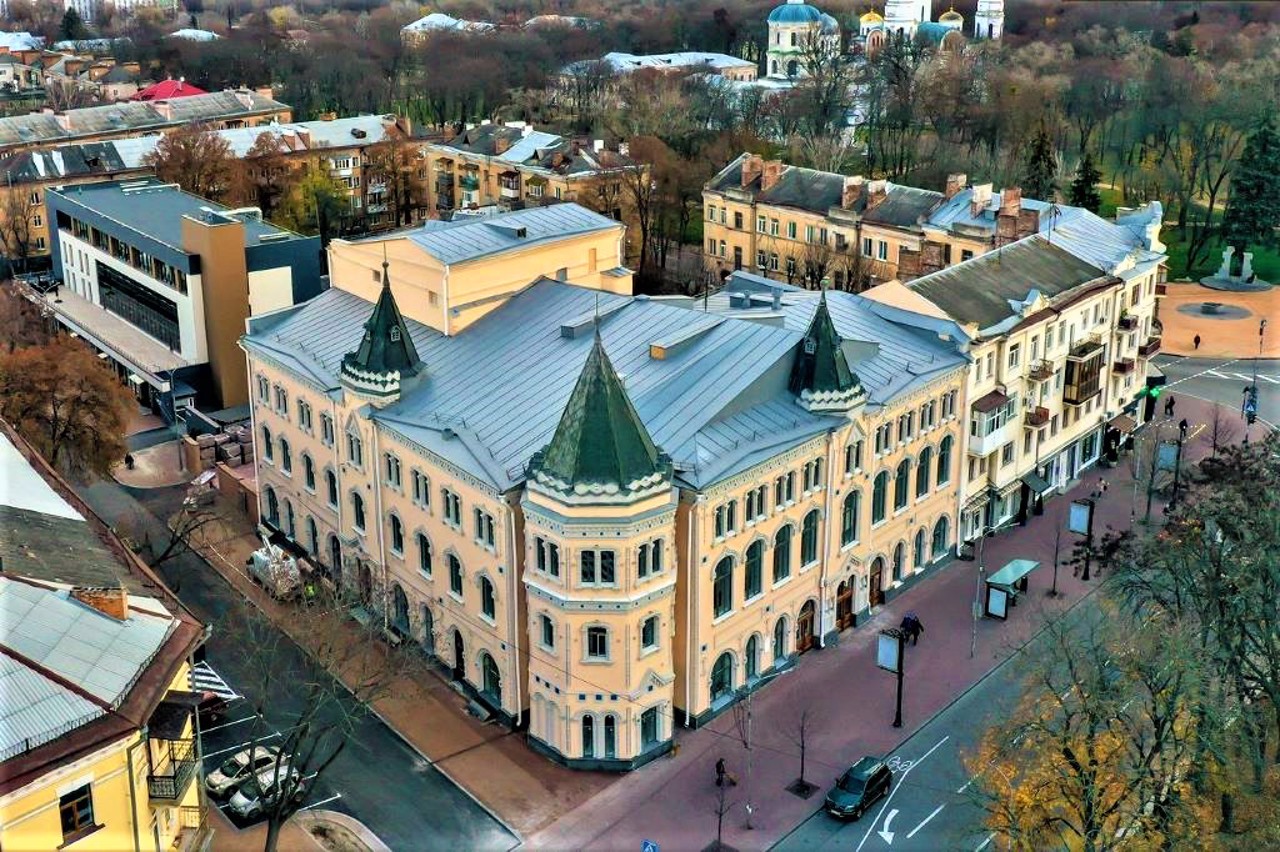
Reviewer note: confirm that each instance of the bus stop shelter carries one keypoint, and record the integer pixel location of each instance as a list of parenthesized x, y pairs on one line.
[(1004, 586)]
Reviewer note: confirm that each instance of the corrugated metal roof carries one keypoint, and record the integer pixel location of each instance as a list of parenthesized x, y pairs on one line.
[(101, 655), (466, 239)]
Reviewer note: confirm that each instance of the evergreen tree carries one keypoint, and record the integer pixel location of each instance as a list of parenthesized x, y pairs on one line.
[(1039, 179), (1253, 212), (72, 27), (1084, 187)]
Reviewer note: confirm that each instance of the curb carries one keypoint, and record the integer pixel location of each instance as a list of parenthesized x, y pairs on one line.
[(347, 821)]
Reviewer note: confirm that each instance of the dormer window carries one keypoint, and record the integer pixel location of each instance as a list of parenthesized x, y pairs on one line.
[(395, 334)]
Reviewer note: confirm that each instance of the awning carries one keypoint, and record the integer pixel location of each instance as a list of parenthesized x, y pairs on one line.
[(1123, 423), (990, 402), (1011, 573), (1037, 483)]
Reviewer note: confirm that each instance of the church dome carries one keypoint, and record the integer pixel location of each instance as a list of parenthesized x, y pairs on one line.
[(795, 12), (830, 24), (951, 16), (872, 17)]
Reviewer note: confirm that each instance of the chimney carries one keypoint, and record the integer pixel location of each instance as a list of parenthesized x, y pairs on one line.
[(106, 600), (597, 145), (1011, 201), (981, 198), (501, 144), (245, 97), (624, 149), (851, 192), (770, 174), (263, 91), (164, 108), (525, 131), (328, 116), (877, 191), (1028, 223), (752, 165), (64, 121), (955, 183), (304, 138)]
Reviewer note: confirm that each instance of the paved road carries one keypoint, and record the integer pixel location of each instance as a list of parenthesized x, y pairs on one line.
[(378, 779), (1222, 381), (931, 805)]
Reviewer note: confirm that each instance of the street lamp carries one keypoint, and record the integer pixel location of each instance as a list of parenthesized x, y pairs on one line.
[(982, 568), (747, 702)]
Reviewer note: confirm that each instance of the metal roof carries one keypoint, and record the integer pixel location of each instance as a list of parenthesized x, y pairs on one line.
[(22, 488), (472, 239), (62, 636)]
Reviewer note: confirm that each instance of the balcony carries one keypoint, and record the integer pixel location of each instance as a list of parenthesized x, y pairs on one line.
[(1037, 417), (1040, 371), (1086, 349), (1123, 366), (1127, 322), (377, 186), (509, 191), (1151, 347), (470, 183), (173, 770), (1083, 378), (992, 423), (193, 830)]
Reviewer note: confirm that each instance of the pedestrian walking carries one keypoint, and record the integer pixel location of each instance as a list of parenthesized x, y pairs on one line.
[(912, 626), (128, 461), (1102, 487), (1183, 426), (1197, 341), (1168, 407), (724, 776)]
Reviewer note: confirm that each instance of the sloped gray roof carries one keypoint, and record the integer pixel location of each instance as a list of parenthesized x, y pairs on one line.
[(471, 239)]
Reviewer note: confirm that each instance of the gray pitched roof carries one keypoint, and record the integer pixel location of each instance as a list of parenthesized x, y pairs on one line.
[(987, 290), (464, 239), (716, 401)]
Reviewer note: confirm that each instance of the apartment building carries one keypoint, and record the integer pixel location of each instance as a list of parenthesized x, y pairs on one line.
[(161, 281), (215, 110), (513, 165), (606, 515), (98, 746), (1063, 328), (801, 225)]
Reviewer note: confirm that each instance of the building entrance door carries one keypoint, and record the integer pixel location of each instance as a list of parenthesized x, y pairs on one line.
[(804, 627), (844, 605), (876, 596)]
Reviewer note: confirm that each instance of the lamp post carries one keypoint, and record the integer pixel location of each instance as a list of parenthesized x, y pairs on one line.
[(982, 569), (1177, 464), (747, 702), (891, 656)]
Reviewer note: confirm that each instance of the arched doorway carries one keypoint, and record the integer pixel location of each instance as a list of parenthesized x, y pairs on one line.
[(273, 507), (491, 679), (722, 676), (844, 605), (793, 68), (459, 661), (335, 558), (804, 627), (876, 596), (428, 631), (400, 611)]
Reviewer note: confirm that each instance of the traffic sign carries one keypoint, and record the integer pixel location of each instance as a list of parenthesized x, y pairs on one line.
[(648, 846)]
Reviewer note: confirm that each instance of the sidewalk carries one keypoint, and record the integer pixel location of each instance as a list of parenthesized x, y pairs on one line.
[(1232, 336), (673, 801)]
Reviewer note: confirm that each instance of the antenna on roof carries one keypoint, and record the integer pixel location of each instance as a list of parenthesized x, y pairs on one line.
[(1054, 212), (385, 279)]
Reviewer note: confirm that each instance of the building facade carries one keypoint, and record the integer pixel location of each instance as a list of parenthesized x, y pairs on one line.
[(598, 512), (1060, 350), (162, 281), (797, 34)]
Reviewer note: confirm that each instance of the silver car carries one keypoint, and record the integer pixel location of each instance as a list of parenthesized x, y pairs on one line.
[(262, 791), (243, 764)]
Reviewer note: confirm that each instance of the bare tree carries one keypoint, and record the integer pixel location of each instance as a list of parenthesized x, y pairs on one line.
[(21, 322), (818, 260), (62, 93), (195, 158), (187, 529), (348, 669), (17, 227), (801, 727), (1222, 430), (723, 806)]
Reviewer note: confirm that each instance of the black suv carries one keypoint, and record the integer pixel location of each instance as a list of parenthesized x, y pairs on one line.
[(860, 787)]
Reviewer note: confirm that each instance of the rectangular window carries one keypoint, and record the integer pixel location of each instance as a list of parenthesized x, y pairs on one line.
[(966, 254), (76, 810), (355, 450), (326, 430), (597, 643), (587, 567), (791, 230), (393, 470), (548, 632), (867, 244), (642, 561), (737, 220), (1015, 355), (761, 224), (1006, 454), (853, 457), (773, 227), (882, 250), (649, 633)]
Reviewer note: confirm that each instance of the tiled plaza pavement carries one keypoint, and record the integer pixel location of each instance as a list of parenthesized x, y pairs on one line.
[(1219, 338)]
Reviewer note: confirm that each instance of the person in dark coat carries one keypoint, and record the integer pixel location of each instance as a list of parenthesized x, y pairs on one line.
[(912, 626), (720, 772), (1168, 407)]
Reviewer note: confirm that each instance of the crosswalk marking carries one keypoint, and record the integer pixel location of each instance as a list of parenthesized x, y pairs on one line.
[(203, 678)]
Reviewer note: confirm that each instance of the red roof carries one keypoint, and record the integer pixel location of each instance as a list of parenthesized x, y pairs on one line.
[(167, 89)]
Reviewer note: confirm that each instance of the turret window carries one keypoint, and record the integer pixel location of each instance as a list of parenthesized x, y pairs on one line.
[(355, 450), (649, 560), (596, 568), (649, 633), (547, 556), (597, 643), (357, 511), (484, 528), (455, 575), (809, 539), (488, 602)]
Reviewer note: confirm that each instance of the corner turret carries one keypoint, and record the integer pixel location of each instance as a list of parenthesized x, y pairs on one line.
[(386, 357)]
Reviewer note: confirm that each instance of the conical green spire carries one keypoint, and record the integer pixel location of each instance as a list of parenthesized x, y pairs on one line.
[(386, 353), (600, 445), (820, 375)]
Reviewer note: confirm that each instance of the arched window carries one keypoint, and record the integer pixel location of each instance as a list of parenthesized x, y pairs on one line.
[(286, 458), (273, 506), (588, 736), (879, 496), (754, 573), (901, 482), (308, 472), (488, 604), (313, 537), (400, 610), (331, 483), (899, 558), (492, 679), (288, 519), (944, 460), (849, 517), (919, 555), (923, 466), (809, 538), (941, 537), (455, 575), (722, 588), (610, 735), (782, 553), (722, 676), (428, 631), (779, 639), (268, 448), (357, 511), (751, 658), (397, 534), (424, 554), (335, 556)]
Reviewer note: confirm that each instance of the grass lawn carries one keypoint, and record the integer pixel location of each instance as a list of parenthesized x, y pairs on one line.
[(1266, 259)]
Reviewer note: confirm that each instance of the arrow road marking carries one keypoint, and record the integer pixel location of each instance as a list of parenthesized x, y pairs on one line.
[(894, 792), (925, 821), (885, 834), (985, 843)]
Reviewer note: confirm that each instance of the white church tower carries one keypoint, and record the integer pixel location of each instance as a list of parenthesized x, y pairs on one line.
[(988, 23)]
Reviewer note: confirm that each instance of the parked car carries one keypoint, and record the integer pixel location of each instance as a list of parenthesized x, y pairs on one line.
[(261, 791), (239, 767), (860, 787)]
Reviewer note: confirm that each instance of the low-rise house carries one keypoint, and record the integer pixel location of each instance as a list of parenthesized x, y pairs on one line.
[(437, 22)]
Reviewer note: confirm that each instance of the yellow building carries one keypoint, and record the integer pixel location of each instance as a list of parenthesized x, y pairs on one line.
[(805, 226), (98, 745), (604, 515), (1062, 331)]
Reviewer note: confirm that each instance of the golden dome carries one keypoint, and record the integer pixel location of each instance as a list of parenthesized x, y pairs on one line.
[(872, 17), (951, 16)]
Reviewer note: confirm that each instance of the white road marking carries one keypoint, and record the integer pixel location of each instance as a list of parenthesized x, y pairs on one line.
[(885, 834), (1273, 379), (895, 789), (240, 747), (985, 843), (925, 821), (332, 798), (227, 725)]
